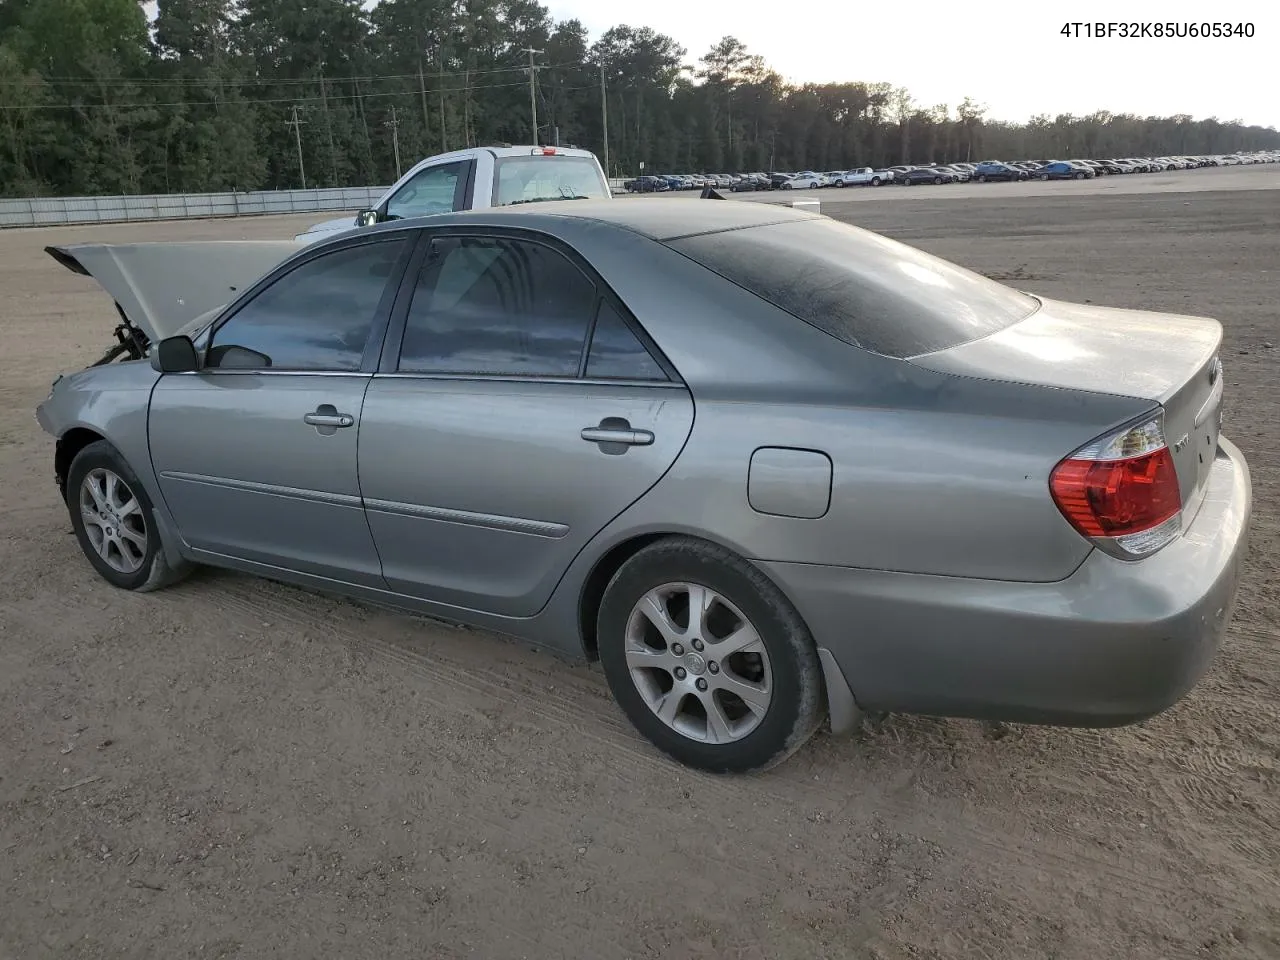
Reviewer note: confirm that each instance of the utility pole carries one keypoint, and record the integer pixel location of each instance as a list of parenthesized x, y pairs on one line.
[(444, 140), (533, 90), (297, 123), (422, 89), (394, 124), (604, 120)]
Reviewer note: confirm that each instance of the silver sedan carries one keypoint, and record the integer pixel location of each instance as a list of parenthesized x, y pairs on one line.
[(767, 468)]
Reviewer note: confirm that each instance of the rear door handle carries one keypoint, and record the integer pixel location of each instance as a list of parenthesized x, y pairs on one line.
[(633, 438), (329, 419)]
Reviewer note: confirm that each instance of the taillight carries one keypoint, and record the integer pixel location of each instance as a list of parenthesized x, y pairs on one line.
[(1121, 491)]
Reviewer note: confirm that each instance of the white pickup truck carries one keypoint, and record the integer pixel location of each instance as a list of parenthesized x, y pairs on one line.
[(862, 175), (477, 178)]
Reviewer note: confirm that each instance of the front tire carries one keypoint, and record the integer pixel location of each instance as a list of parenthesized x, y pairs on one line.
[(115, 523), (735, 687)]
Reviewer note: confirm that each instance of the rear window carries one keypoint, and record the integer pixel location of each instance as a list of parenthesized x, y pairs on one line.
[(862, 288), (541, 177)]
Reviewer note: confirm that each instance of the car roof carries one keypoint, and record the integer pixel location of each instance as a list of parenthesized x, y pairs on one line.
[(655, 218)]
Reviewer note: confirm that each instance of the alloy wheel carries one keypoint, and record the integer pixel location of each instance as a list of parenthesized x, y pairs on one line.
[(113, 520), (698, 663)]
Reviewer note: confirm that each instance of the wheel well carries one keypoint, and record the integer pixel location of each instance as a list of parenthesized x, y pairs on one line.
[(69, 444), (598, 580)]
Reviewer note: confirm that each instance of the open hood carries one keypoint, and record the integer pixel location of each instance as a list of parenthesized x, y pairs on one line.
[(161, 287)]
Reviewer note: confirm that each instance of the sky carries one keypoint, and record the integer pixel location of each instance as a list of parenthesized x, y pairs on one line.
[(1011, 57)]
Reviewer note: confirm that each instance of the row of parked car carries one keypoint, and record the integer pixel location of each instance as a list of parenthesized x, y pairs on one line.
[(909, 174)]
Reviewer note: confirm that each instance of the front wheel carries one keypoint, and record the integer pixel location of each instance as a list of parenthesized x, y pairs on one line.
[(1079, 176), (115, 523), (937, 179), (1044, 176), (708, 659)]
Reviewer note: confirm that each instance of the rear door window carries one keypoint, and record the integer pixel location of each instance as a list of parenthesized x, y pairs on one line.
[(491, 306)]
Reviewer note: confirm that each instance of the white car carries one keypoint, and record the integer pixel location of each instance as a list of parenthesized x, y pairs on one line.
[(478, 178), (806, 180)]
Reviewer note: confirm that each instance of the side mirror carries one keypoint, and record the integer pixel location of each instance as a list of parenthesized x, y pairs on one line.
[(366, 218), (175, 355), (233, 357)]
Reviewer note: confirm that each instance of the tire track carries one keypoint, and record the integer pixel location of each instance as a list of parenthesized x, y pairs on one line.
[(584, 711)]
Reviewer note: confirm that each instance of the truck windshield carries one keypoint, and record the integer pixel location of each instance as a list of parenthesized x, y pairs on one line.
[(540, 177)]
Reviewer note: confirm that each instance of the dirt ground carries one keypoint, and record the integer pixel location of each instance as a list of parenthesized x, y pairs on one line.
[(234, 768)]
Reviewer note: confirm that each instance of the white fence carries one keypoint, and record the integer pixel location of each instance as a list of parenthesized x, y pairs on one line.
[(57, 211), (54, 211)]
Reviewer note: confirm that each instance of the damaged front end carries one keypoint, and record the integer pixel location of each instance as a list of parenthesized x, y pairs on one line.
[(162, 289)]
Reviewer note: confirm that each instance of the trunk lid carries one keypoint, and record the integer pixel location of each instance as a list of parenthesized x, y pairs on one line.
[(1168, 359), (161, 287)]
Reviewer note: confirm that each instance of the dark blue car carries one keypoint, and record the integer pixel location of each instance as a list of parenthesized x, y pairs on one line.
[(1063, 170), (991, 170)]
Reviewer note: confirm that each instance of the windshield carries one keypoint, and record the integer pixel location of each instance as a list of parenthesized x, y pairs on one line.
[(540, 177)]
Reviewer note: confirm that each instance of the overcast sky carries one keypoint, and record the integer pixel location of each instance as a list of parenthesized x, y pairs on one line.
[(1010, 56)]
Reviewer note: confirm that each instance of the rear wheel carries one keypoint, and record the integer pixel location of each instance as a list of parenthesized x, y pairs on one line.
[(937, 179), (875, 181), (708, 659), (114, 521)]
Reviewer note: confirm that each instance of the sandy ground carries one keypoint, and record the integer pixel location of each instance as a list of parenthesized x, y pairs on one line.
[(233, 768)]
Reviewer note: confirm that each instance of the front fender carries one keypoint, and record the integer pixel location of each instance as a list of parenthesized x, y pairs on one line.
[(111, 401)]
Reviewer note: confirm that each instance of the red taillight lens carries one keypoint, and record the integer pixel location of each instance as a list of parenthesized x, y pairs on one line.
[(1110, 498), (1121, 491)]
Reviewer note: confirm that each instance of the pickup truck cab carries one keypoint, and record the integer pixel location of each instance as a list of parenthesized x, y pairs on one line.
[(477, 178), (862, 175)]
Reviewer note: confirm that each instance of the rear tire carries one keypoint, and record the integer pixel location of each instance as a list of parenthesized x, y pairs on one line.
[(774, 662), (115, 523), (937, 180)]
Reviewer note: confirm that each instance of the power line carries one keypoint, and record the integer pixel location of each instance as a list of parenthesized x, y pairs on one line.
[(268, 81), (142, 104)]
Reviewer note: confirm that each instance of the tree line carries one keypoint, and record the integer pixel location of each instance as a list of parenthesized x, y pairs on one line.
[(259, 94)]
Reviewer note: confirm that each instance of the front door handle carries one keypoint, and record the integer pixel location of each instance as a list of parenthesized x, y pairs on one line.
[(329, 419), (326, 419), (616, 430)]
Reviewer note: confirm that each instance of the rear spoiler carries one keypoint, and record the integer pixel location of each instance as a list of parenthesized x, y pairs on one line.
[(161, 287)]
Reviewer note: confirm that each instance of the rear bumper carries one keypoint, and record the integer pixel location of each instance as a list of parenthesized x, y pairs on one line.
[(1114, 643)]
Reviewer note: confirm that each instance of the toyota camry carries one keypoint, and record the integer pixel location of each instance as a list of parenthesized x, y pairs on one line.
[(767, 468)]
